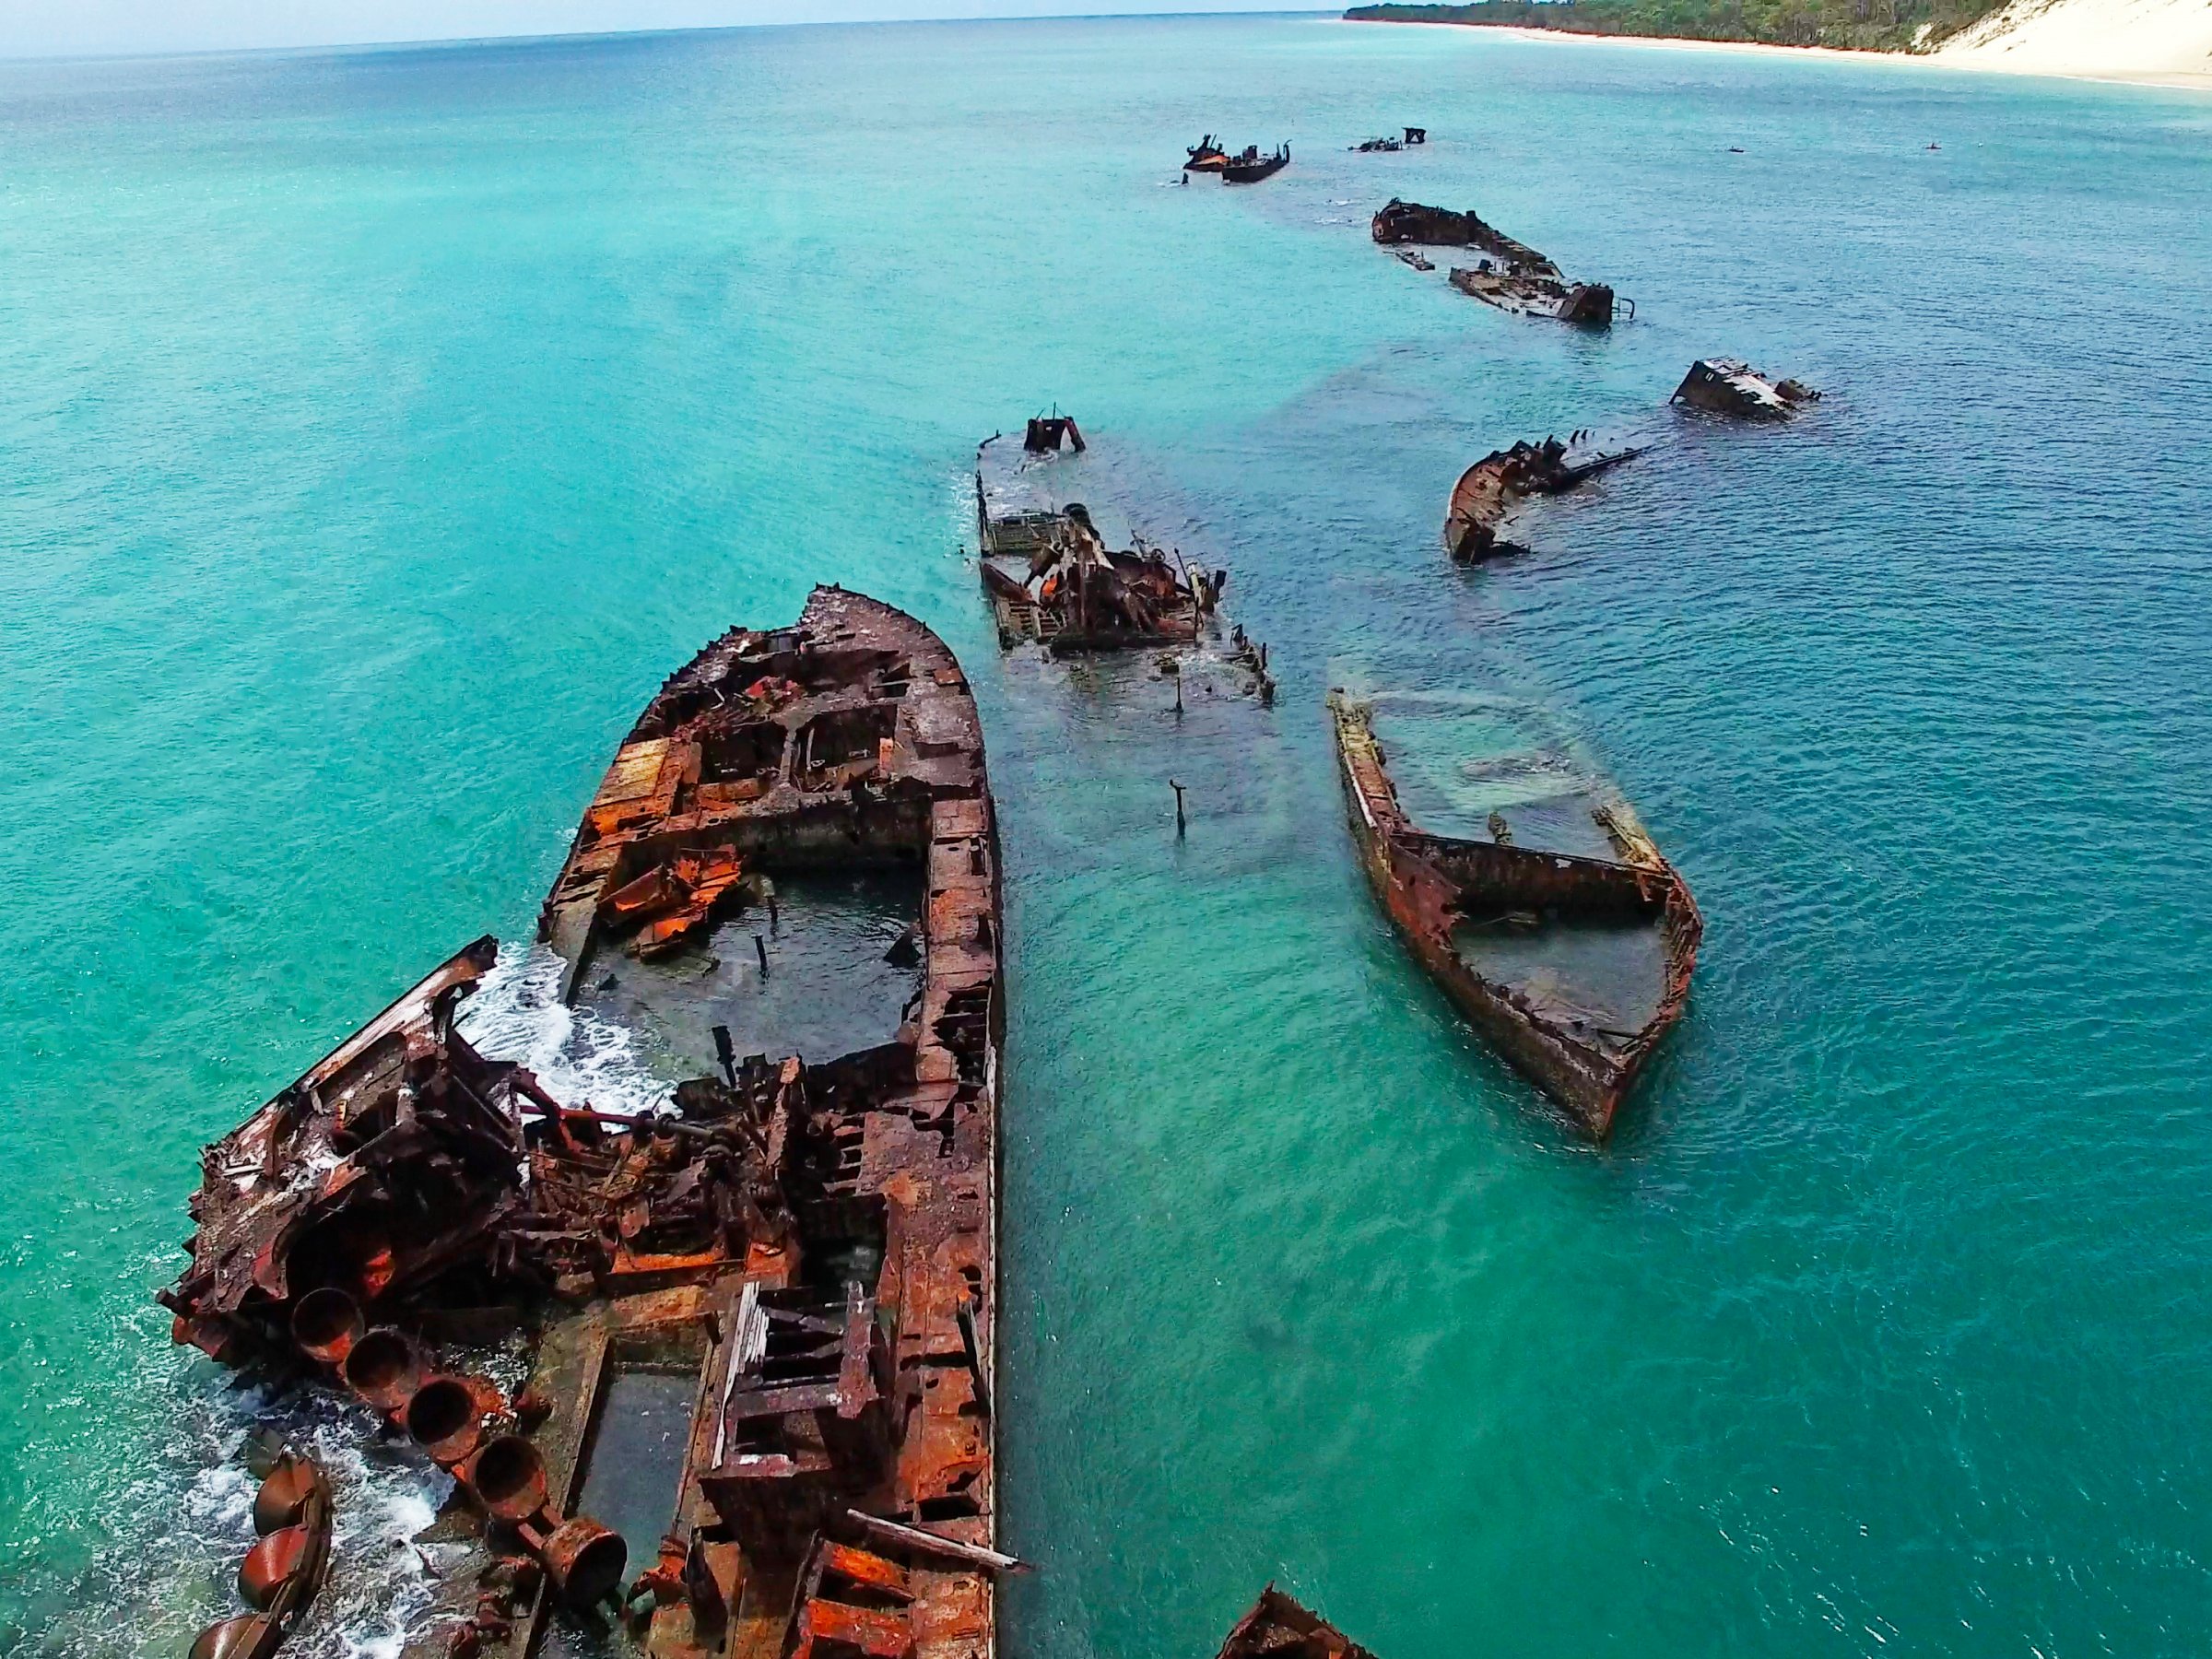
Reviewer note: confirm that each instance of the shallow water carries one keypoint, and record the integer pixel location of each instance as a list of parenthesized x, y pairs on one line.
[(383, 427)]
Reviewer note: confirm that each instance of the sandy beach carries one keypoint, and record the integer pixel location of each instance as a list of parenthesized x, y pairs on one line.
[(2144, 42)]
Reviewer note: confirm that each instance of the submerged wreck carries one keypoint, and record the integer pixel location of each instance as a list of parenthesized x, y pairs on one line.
[(1514, 277), (1724, 386), (1277, 1627), (799, 1255), (1490, 491), (1251, 167), (1051, 576), (1572, 967)]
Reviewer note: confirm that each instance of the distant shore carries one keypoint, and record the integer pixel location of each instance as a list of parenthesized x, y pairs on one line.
[(1980, 48)]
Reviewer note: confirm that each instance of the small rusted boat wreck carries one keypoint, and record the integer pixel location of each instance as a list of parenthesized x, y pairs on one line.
[(1277, 1627), (1052, 578), (798, 1257), (1206, 156), (1251, 167), (1514, 277), (1574, 967), (1724, 386), (1490, 491)]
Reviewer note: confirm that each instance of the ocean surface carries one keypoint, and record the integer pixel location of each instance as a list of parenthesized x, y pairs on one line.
[(378, 429)]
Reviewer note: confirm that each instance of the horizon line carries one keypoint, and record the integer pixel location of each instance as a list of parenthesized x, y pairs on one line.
[(432, 43)]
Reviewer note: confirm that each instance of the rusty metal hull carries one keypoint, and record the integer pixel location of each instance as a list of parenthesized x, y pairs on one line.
[(816, 1233), (1490, 492), (1514, 277), (1430, 885), (1278, 1628), (1053, 581), (1726, 386)]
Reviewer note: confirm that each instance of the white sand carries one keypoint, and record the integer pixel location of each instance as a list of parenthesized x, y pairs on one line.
[(2162, 41), (2157, 43)]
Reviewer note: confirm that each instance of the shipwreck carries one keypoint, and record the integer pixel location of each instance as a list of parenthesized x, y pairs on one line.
[(1573, 966), (1251, 165), (1724, 386), (1492, 491), (1514, 277), (1277, 1627), (799, 1255), (1050, 576)]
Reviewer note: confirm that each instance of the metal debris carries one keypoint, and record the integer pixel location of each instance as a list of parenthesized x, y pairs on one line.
[(294, 1517), (1277, 1627), (1515, 277), (1489, 491), (1724, 386), (1052, 580), (1572, 967)]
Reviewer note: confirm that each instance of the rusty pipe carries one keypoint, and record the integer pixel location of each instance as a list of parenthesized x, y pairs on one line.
[(445, 1416), (383, 1367), (327, 1323)]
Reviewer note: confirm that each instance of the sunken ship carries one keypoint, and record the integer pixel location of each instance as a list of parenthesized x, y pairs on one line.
[(797, 1257), (1511, 276), (1492, 491), (1052, 578), (1574, 967)]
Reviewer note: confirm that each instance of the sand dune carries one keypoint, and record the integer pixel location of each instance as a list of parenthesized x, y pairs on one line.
[(2163, 41)]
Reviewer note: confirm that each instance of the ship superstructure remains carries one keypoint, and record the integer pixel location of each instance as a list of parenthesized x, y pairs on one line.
[(804, 1247)]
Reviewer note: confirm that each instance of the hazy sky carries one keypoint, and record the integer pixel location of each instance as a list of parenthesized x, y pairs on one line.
[(38, 26)]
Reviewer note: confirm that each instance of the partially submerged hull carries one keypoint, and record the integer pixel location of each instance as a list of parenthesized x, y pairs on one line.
[(1278, 1628), (1251, 168), (808, 1242), (1052, 580), (1573, 968), (1513, 277), (1726, 386), (1489, 491)]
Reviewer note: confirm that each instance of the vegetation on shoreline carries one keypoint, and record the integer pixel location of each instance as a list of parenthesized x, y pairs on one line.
[(1865, 25)]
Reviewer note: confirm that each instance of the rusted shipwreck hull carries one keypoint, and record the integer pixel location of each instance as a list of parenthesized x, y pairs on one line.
[(1726, 386), (1277, 1627), (1489, 491), (808, 1238), (1052, 580), (1514, 277), (1572, 967)]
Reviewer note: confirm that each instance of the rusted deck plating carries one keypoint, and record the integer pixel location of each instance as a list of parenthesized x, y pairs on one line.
[(819, 1239), (1431, 884), (1489, 491), (1515, 277)]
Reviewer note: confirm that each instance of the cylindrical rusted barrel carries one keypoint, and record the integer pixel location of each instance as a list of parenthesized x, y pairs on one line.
[(384, 1368), (585, 1561), (446, 1418), (508, 1477), (325, 1323)]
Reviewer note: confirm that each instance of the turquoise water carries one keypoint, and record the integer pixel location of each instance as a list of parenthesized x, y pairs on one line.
[(379, 427)]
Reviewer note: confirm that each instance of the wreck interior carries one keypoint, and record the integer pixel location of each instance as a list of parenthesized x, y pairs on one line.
[(1060, 561), (1556, 926), (757, 1329), (834, 967)]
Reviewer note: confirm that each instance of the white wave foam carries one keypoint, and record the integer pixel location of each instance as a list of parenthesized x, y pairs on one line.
[(517, 1014)]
